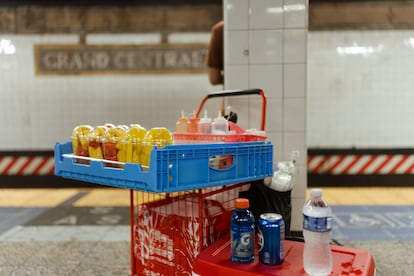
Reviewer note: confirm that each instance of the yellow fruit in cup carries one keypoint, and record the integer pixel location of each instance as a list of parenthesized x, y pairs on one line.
[(110, 142), (80, 141), (130, 146), (157, 136), (79, 138), (95, 141)]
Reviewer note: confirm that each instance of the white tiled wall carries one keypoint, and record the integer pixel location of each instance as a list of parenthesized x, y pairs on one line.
[(37, 111), (265, 46), (361, 89), (354, 88)]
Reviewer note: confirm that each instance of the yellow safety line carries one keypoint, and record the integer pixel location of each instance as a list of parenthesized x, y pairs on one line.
[(105, 197), (34, 197), (120, 197), (368, 195)]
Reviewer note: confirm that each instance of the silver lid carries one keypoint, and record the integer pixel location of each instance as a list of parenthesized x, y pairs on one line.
[(271, 216)]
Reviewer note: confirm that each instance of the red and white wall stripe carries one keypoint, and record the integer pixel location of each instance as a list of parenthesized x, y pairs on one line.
[(26, 165), (360, 167), (32, 169), (325, 167), (361, 164)]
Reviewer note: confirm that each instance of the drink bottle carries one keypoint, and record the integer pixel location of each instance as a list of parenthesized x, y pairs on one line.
[(317, 226), (192, 124), (242, 232), (181, 124), (204, 125), (220, 125)]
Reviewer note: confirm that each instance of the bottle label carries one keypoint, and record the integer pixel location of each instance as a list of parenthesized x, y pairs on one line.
[(317, 224), (242, 245)]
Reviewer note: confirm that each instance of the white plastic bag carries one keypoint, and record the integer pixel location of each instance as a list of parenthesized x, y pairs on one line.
[(283, 176)]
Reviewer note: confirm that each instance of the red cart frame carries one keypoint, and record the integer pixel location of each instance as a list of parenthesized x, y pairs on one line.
[(202, 194)]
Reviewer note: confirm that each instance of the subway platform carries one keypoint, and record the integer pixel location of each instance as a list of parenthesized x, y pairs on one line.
[(86, 231)]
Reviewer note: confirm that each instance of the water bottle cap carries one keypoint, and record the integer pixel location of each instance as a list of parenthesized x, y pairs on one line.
[(316, 192), (242, 203)]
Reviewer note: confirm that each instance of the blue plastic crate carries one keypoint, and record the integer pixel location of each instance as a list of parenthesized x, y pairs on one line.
[(174, 168)]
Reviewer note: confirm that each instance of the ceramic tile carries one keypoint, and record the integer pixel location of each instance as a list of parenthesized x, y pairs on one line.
[(236, 76), (266, 14), (274, 115), (300, 182), (358, 53), (39, 124), (236, 13), (295, 13), (255, 112), (236, 47), (295, 141), (269, 78), (294, 113), (294, 80), (295, 46), (277, 140), (297, 219), (266, 46)]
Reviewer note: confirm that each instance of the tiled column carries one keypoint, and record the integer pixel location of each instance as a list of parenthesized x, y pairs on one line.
[(265, 47)]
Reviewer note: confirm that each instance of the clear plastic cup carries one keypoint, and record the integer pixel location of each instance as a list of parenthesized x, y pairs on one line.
[(130, 147), (111, 144), (95, 138), (80, 142), (158, 136)]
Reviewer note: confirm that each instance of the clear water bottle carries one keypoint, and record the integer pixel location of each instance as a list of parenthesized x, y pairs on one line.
[(242, 232), (317, 226)]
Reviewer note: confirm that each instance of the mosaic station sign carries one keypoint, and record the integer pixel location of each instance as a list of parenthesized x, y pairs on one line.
[(120, 59)]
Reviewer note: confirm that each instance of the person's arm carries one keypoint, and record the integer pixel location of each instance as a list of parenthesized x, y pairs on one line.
[(215, 55), (215, 75)]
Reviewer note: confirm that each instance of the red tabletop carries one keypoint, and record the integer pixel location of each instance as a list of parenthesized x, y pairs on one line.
[(215, 260)]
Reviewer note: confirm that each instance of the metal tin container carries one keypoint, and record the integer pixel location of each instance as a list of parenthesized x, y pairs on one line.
[(271, 236)]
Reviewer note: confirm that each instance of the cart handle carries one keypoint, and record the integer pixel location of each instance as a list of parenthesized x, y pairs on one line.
[(230, 93)]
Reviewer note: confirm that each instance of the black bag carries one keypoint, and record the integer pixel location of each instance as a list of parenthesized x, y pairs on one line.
[(265, 200)]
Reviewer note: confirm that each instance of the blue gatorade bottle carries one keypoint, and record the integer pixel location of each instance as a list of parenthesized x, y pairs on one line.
[(242, 232)]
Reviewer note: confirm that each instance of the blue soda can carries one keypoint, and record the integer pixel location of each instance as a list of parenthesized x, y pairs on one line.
[(271, 236)]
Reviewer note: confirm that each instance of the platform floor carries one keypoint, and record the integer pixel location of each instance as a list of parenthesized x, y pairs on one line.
[(86, 231)]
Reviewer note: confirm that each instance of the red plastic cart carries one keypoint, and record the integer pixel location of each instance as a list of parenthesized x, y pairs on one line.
[(169, 230), (215, 260)]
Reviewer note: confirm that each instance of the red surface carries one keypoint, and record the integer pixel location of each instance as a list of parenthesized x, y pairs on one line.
[(215, 260)]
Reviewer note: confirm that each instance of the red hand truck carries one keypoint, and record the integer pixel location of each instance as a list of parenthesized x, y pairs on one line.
[(169, 230)]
